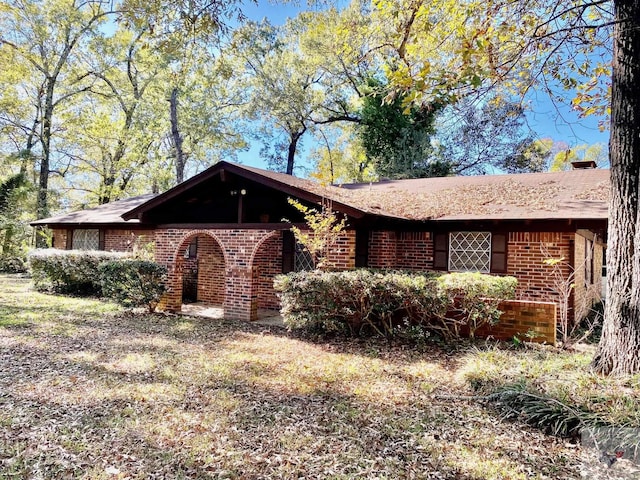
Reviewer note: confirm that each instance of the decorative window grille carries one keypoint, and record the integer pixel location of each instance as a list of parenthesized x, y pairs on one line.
[(303, 259), (470, 252), (86, 239)]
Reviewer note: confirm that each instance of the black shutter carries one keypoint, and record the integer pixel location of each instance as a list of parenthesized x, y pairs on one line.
[(499, 253), (288, 251), (362, 248), (441, 251), (100, 239), (69, 244)]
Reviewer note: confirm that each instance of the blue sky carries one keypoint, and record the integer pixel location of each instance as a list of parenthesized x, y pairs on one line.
[(556, 121)]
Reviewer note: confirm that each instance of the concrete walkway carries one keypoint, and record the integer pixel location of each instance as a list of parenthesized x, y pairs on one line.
[(205, 310)]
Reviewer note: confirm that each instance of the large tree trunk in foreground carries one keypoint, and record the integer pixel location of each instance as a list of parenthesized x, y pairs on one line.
[(619, 349)]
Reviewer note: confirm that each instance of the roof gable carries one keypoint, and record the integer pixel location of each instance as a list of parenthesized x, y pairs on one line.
[(217, 185)]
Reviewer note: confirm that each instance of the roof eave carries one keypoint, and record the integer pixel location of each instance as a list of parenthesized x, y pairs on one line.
[(128, 225), (219, 167)]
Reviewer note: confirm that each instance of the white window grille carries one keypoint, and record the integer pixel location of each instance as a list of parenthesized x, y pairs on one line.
[(303, 259), (86, 239), (470, 252)]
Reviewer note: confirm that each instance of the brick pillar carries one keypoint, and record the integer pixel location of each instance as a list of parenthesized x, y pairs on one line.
[(171, 301), (240, 303)]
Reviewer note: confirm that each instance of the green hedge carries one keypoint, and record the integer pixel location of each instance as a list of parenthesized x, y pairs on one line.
[(69, 271), (133, 283), (360, 301), (13, 264), (473, 299)]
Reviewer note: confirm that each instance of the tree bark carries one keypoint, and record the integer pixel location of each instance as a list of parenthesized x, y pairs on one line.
[(175, 135), (293, 146), (42, 202), (619, 349)]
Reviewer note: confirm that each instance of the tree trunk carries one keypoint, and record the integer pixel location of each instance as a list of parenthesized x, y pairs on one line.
[(619, 349), (175, 135), (42, 203), (293, 146)]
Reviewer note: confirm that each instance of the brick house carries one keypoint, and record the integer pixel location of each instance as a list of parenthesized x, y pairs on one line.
[(223, 235)]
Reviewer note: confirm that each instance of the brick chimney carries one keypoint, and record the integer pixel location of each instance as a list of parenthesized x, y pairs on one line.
[(583, 165)]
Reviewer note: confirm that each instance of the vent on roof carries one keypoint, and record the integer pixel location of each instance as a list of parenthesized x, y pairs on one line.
[(583, 164)]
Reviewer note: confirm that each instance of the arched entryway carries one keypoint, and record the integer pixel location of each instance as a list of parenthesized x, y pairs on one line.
[(266, 263), (231, 268), (200, 270)]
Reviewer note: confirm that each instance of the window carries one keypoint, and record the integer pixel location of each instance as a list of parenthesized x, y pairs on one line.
[(303, 259), (191, 251), (294, 256), (86, 239), (470, 252)]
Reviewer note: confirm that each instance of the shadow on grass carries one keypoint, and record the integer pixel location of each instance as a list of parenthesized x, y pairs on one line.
[(162, 396)]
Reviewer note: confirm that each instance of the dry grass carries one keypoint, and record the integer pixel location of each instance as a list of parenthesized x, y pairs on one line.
[(565, 376), (90, 391)]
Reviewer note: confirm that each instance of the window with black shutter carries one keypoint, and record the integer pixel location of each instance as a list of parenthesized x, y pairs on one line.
[(362, 248), (441, 251), (470, 251), (499, 253)]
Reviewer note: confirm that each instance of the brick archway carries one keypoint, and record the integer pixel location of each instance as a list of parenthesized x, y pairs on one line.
[(209, 260), (266, 263), (238, 248)]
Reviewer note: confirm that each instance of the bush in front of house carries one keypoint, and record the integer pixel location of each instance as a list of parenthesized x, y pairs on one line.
[(384, 303), (69, 271), (473, 299), (357, 301), (12, 264), (133, 283)]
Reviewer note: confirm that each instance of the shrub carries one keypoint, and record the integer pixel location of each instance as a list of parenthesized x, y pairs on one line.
[(474, 299), (13, 265), (383, 303), (69, 271), (133, 283)]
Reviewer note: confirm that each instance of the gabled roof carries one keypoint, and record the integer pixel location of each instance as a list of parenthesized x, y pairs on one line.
[(109, 213), (575, 194), (294, 186)]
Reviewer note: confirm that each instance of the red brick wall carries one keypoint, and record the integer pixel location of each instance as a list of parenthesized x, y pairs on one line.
[(210, 260), (125, 240), (523, 318), (60, 239), (237, 246), (253, 257), (343, 254), (525, 257), (415, 251), (383, 248), (267, 263), (115, 240), (526, 253), (405, 250)]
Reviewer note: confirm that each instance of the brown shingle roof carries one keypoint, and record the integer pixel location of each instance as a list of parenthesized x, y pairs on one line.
[(575, 194), (109, 213)]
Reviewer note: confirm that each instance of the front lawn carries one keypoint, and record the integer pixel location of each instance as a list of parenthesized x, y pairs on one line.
[(88, 390)]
